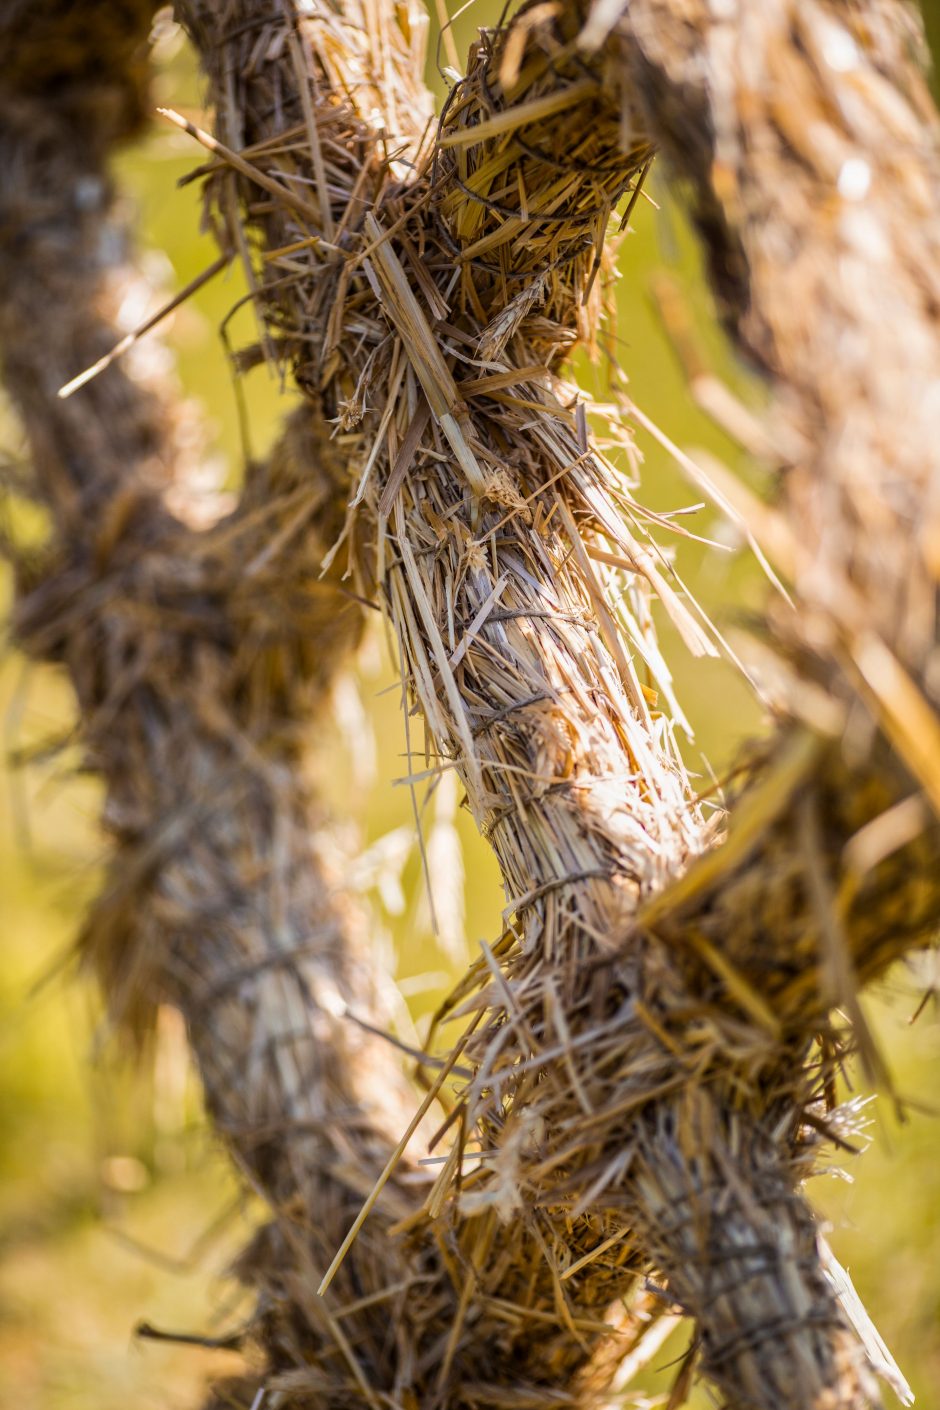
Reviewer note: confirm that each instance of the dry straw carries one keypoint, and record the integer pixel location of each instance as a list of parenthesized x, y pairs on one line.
[(822, 227), (634, 1096), (197, 658), (651, 1045)]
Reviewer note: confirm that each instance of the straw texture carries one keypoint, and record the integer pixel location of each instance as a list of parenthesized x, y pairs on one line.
[(631, 1095), (812, 148), (196, 659), (648, 1069)]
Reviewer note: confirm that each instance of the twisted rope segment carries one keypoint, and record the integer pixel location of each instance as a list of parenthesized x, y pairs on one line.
[(197, 661), (635, 1095), (654, 1046)]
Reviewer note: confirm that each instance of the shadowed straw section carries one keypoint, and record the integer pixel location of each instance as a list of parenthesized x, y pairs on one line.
[(820, 216), (196, 660), (642, 1102), (808, 143), (820, 219)]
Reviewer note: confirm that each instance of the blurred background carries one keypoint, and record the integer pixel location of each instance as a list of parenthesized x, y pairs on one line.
[(116, 1208)]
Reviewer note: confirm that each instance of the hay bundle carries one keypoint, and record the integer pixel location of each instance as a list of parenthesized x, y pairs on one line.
[(636, 1101), (812, 147), (197, 658), (643, 1104)]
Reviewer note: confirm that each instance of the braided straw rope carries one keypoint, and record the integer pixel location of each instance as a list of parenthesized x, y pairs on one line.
[(650, 1042), (636, 1097)]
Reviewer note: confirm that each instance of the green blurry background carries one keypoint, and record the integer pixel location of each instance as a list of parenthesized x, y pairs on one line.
[(115, 1205)]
